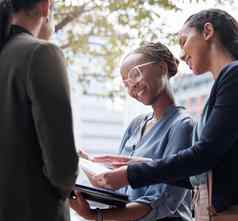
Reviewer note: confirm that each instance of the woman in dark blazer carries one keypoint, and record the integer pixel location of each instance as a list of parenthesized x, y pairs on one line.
[(209, 42), (38, 161)]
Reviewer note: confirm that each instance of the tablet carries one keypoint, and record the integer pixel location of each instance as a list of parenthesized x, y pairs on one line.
[(107, 197)]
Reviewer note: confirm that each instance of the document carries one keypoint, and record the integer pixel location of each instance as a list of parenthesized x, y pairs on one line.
[(92, 167)]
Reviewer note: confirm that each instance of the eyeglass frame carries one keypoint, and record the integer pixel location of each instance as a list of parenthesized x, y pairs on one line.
[(137, 67)]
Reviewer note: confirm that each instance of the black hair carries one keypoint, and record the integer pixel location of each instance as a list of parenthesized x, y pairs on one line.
[(7, 8), (158, 52), (224, 25)]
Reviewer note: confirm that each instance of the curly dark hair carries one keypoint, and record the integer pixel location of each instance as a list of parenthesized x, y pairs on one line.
[(224, 25)]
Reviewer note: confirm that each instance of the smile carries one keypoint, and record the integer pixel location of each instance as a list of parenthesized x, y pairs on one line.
[(139, 93)]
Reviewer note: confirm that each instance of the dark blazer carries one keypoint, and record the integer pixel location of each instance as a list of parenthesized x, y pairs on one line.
[(38, 161), (217, 148)]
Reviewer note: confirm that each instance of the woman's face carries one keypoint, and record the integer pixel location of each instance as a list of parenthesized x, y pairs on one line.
[(152, 82), (195, 49)]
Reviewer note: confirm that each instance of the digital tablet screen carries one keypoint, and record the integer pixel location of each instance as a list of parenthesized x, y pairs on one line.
[(102, 196)]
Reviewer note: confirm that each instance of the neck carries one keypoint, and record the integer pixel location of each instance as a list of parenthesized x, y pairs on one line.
[(163, 101), (33, 24), (219, 58)]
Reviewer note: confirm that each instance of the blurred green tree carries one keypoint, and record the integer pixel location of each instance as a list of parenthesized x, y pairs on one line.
[(95, 34)]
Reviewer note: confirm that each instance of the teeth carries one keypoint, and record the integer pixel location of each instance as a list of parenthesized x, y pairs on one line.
[(140, 92)]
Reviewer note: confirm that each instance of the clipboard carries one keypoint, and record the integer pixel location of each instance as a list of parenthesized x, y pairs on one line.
[(103, 196)]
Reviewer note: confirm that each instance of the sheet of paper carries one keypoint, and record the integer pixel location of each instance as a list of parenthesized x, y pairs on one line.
[(92, 167)]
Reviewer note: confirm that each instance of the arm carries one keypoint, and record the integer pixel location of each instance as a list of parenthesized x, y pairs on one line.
[(216, 140), (131, 212), (49, 95)]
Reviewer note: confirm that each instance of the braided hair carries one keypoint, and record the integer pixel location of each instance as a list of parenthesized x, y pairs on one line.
[(158, 52)]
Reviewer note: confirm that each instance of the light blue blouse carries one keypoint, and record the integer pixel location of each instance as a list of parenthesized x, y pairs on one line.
[(173, 132)]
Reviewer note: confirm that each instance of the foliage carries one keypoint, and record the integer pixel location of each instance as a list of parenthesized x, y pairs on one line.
[(95, 34)]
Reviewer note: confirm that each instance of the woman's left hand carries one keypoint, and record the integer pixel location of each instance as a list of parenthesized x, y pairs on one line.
[(114, 179), (81, 206)]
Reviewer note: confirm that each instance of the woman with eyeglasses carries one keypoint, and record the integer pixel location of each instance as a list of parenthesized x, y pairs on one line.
[(38, 160), (163, 132), (209, 43)]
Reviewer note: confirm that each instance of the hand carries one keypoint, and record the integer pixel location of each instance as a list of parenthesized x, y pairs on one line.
[(83, 154), (114, 161), (117, 160), (81, 206), (114, 179)]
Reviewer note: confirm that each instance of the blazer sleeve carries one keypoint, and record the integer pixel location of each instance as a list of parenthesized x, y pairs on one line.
[(217, 138), (50, 100)]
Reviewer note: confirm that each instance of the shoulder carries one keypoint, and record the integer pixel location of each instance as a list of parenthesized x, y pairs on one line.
[(31, 49), (47, 49), (227, 82), (45, 53), (138, 120), (33, 46), (228, 72), (29, 43), (135, 124), (182, 120)]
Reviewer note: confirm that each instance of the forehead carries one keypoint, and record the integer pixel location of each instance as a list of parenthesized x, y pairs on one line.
[(131, 61), (185, 31)]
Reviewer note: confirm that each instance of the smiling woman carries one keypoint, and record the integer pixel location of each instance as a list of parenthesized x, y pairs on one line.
[(165, 131), (146, 72), (209, 42)]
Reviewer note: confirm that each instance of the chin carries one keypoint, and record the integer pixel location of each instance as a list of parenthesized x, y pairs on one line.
[(147, 102), (199, 70), (144, 101)]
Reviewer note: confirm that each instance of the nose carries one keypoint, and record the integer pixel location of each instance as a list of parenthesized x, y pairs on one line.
[(182, 55), (132, 88)]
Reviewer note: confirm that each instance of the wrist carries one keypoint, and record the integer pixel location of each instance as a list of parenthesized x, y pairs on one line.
[(92, 215), (124, 176), (99, 215)]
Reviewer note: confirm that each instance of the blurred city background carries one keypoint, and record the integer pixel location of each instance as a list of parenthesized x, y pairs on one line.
[(95, 35)]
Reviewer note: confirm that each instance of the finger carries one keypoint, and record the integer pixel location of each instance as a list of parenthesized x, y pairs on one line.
[(100, 158), (110, 158), (87, 172), (84, 154), (100, 181), (118, 164)]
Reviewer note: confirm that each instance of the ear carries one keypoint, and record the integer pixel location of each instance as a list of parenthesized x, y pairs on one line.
[(43, 6), (208, 31), (163, 67)]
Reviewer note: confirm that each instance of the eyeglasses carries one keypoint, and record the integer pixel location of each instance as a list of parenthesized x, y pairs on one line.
[(135, 75)]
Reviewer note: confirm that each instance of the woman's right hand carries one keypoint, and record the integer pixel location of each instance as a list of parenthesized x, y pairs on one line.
[(118, 161), (81, 206), (83, 154), (112, 160)]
